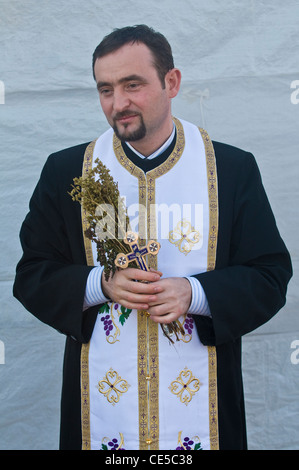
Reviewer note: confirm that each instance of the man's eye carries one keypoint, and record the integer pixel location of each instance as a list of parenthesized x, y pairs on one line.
[(133, 86), (105, 91)]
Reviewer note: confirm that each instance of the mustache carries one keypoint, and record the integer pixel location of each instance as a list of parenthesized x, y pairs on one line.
[(124, 114)]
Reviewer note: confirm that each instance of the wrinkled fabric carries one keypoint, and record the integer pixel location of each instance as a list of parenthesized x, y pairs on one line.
[(238, 60)]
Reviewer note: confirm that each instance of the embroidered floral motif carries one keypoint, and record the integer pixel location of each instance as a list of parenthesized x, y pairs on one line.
[(185, 386), (184, 236), (188, 444), (112, 444), (188, 325), (113, 386), (110, 327)]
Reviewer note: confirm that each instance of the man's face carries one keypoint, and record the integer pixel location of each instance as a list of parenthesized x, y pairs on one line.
[(133, 100)]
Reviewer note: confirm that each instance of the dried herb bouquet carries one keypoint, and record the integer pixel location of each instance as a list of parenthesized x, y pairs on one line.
[(108, 222), (106, 214)]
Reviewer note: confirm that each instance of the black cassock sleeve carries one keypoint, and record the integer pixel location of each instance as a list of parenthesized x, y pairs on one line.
[(253, 266), (51, 275)]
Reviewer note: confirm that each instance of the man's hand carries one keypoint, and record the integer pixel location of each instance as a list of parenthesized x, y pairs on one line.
[(164, 299), (172, 301), (122, 288)]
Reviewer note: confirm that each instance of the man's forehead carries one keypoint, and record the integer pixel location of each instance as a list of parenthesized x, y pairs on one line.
[(130, 58)]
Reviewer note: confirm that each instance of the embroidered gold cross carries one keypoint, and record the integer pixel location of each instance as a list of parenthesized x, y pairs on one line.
[(184, 236), (113, 386), (185, 386)]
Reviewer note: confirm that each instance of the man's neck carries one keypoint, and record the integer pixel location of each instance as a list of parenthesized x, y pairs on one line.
[(156, 152), (154, 160), (149, 145)]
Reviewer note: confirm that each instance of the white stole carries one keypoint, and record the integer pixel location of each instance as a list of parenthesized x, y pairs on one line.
[(138, 390)]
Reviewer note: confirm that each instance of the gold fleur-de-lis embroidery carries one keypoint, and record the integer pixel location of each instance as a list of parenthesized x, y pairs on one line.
[(113, 386), (185, 386), (184, 236)]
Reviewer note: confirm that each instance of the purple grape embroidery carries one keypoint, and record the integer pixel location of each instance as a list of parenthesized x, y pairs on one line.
[(189, 324), (188, 444), (110, 328), (113, 444)]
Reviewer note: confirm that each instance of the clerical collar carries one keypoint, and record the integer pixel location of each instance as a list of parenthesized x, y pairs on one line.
[(156, 158), (157, 152)]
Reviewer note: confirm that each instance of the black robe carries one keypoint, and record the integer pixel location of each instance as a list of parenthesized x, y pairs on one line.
[(247, 287)]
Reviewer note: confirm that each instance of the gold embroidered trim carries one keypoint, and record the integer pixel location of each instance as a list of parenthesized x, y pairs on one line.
[(148, 353), (185, 386), (156, 172), (148, 383), (213, 398), (112, 386), (174, 156), (85, 401), (212, 248), (87, 165), (213, 199), (148, 366)]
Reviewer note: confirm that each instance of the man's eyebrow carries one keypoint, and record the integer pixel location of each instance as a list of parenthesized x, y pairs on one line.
[(129, 78), (102, 84)]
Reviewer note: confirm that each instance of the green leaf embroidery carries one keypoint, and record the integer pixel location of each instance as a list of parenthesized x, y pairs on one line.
[(198, 446), (125, 314), (104, 308)]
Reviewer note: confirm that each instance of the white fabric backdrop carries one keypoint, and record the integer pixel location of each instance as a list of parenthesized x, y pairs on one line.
[(239, 59)]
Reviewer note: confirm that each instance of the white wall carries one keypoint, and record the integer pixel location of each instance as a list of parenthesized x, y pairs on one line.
[(239, 59)]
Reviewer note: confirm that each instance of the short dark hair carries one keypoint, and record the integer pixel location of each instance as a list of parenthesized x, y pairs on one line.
[(156, 42)]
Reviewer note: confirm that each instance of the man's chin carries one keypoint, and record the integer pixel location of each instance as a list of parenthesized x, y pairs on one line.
[(127, 135)]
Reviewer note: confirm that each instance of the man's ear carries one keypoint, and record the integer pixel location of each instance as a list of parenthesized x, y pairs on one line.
[(173, 82)]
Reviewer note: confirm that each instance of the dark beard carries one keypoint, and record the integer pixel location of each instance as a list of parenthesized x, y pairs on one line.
[(138, 134)]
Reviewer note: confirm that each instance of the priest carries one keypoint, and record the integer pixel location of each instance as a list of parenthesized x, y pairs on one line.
[(221, 271)]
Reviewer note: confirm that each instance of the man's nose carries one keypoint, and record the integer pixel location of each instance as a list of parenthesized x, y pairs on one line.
[(120, 101)]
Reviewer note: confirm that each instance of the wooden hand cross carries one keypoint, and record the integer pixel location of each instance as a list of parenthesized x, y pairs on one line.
[(122, 261), (138, 254)]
